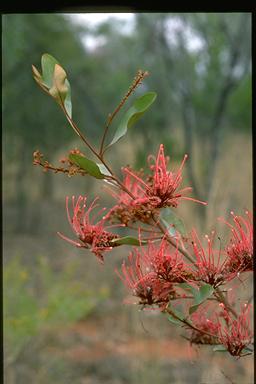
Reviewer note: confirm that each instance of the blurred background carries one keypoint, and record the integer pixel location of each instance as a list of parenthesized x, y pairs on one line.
[(64, 316)]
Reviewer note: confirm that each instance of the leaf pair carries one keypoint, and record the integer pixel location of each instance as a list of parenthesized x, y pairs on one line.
[(53, 80)]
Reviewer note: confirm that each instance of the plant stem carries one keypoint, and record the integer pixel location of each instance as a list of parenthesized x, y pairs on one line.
[(221, 298), (79, 133), (187, 323), (171, 241)]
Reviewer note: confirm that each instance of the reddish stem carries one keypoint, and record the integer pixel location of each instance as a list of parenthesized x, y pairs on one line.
[(190, 325)]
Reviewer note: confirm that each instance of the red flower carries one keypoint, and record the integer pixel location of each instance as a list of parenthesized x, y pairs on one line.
[(149, 193), (237, 335), (233, 334), (240, 249), (144, 283), (151, 273), (210, 268), (167, 264), (162, 188), (131, 185), (91, 235), (209, 328)]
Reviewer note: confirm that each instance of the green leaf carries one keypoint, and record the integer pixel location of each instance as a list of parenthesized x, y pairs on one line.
[(220, 348), (200, 296), (186, 286), (88, 165), (138, 108), (204, 292), (174, 321), (54, 81), (48, 63), (193, 308), (170, 228), (176, 312), (103, 169), (246, 351), (172, 222), (128, 240), (68, 102), (106, 172)]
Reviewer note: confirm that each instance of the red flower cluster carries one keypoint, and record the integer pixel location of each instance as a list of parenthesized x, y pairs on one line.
[(215, 267), (91, 235), (234, 334), (210, 268), (159, 189), (162, 189), (240, 250), (237, 335), (151, 273), (209, 327), (168, 266)]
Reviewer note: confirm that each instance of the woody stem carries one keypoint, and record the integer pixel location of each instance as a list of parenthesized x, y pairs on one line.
[(187, 323)]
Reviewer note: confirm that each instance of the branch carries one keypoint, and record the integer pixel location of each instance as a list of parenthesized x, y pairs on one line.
[(220, 297), (188, 324)]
